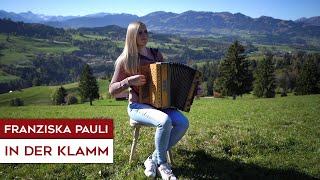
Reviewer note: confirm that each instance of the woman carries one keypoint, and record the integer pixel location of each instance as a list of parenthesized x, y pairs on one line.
[(171, 125)]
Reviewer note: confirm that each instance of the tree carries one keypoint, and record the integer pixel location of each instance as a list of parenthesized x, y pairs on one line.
[(210, 86), (283, 81), (58, 95), (264, 83), (16, 102), (71, 99), (88, 85), (235, 77), (36, 82), (308, 80)]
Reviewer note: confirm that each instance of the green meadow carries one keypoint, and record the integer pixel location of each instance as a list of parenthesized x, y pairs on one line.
[(5, 77), (40, 95), (247, 138), (88, 37), (20, 49)]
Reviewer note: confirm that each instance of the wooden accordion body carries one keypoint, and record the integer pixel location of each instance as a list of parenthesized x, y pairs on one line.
[(169, 85)]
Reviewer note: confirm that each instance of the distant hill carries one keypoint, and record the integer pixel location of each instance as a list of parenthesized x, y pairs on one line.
[(190, 23), (30, 29), (30, 17), (312, 20), (210, 23), (12, 16), (95, 21)]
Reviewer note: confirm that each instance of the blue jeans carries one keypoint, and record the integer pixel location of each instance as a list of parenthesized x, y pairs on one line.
[(171, 126)]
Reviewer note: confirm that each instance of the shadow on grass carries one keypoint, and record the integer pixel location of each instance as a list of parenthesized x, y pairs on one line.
[(200, 165)]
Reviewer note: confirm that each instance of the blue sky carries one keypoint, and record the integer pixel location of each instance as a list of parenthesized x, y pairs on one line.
[(281, 9)]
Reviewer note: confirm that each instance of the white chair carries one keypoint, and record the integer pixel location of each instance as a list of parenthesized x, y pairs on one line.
[(136, 134)]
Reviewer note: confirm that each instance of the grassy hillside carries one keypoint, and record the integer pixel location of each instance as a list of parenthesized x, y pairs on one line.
[(243, 139), (19, 49), (5, 77), (87, 37), (40, 95)]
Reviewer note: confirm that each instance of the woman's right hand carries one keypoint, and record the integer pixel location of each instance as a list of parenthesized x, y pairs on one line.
[(137, 80)]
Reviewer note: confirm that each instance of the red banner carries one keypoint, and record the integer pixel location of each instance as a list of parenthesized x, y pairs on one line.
[(56, 129)]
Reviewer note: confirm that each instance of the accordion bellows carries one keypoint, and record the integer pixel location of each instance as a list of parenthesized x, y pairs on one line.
[(169, 85)]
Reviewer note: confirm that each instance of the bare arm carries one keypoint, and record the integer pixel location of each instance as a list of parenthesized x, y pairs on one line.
[(121, 80)]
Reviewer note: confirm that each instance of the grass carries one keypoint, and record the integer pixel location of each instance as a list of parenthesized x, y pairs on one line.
[(5, 77), (20, 49), (40, 95), (87, 37), (243, 139), (284, 47)]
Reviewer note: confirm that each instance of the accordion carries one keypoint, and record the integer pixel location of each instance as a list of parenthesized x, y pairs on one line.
[(169, 85)]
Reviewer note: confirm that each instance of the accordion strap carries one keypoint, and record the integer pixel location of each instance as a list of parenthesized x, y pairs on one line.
[(134, 90), (154, 53)]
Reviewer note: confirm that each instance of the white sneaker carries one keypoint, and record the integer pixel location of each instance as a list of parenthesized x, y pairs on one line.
[(151, 167), (166, 172)]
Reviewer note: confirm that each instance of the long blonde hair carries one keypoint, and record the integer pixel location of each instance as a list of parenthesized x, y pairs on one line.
[(129, 57)]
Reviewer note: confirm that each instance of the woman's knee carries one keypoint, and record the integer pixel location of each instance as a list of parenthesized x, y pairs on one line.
[(165, 121), (184, 123)]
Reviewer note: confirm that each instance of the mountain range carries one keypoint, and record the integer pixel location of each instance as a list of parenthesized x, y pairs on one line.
[(191, 23)]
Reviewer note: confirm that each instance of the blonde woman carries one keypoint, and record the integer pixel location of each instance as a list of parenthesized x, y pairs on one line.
[(171, 124)]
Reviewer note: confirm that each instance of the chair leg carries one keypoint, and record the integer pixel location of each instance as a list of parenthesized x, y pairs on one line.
[(134, 142), (170, 158)]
